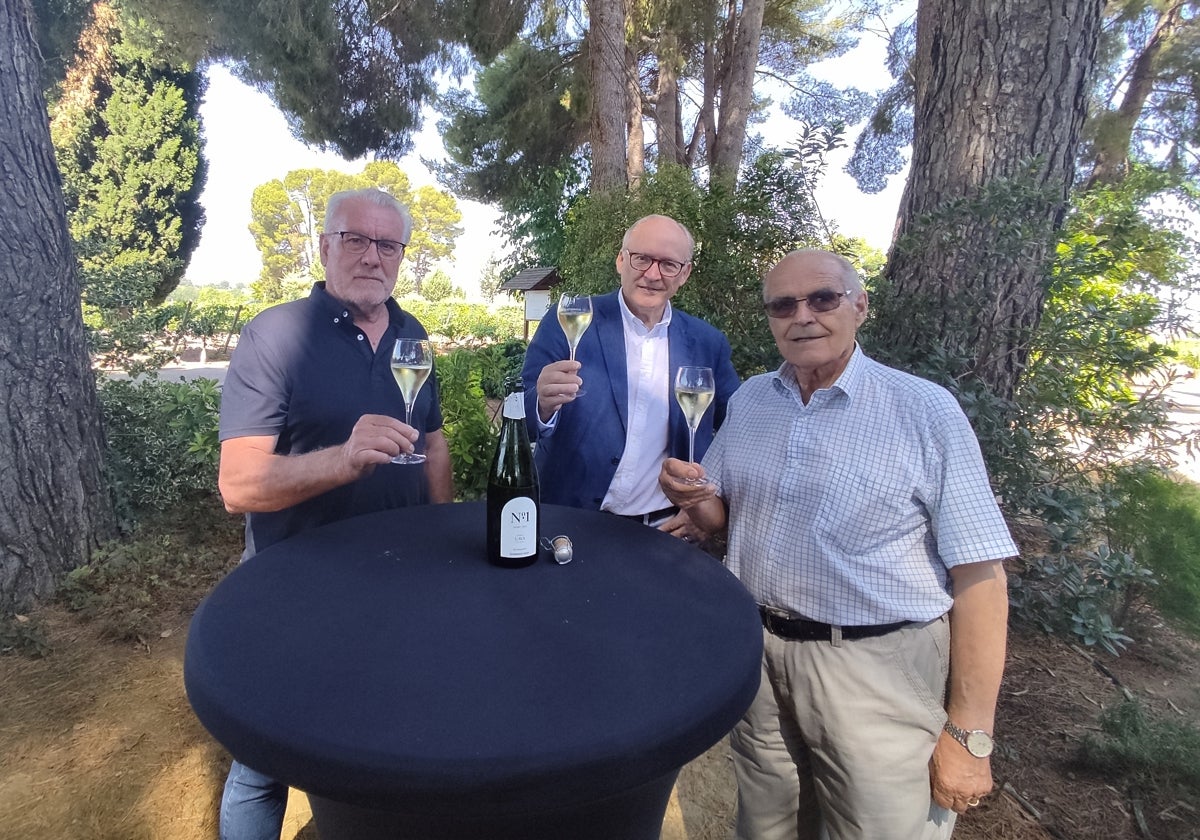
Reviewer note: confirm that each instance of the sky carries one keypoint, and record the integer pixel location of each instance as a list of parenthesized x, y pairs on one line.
[(247, 143)]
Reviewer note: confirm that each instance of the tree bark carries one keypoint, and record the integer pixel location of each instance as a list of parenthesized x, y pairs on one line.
[(53, 502), (635, 165), (737, 88), (1001, 94), (606, 68)]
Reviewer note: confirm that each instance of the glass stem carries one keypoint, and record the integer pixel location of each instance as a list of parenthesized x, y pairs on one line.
[(692, 446)]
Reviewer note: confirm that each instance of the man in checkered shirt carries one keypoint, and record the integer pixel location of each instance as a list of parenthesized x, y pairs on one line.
[(861, 519)]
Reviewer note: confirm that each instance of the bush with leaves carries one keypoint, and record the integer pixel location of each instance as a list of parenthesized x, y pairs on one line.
[(1089, 598), (162, 442), (1158, 518), (469, 425), (460, 321)]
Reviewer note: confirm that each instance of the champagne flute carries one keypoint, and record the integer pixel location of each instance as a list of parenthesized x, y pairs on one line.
[(574, 316), (412, 362), (694, 391)]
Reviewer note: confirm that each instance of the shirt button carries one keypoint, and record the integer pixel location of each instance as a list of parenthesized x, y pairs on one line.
[(360, 338), (616, 461), (337, 320)]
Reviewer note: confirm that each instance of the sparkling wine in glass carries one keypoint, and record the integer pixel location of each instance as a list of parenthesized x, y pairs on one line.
[(694, 390), (574, 316), (412, 362)]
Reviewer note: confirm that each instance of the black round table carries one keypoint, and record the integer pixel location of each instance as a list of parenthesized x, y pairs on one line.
[(381, 665)]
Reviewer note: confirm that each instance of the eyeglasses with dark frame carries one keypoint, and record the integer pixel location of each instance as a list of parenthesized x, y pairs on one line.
[(358, 243), (822, 300), (666, 267)]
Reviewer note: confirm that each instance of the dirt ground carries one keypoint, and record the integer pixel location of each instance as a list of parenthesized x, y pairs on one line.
[(97, 741)]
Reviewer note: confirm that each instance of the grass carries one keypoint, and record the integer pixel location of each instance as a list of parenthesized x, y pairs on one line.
[(1149, 753), (1158, 519), (170, 561)]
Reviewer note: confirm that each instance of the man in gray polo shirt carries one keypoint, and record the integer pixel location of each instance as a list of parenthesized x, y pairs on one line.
[(309, 422)]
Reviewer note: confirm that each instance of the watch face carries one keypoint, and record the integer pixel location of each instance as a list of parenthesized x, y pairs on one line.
[(979, 744)]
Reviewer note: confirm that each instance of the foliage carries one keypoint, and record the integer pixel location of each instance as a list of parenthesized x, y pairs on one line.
[(1143, 103), (1088, 597), (439, 287), (739, 236), (23, 635), (1156, 753), (1091, 397), (1158, 519), (526, 137), (125, 128), (162, 442), (473, 323), (470, 430), (165, 564)]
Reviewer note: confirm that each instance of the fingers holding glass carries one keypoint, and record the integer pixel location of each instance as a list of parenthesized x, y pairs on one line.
[(694, 391), (412, 362)]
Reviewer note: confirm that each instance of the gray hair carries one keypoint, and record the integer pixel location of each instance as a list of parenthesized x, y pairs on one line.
[(373, 196)]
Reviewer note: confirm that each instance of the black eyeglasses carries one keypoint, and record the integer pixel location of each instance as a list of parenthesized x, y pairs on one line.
[(642, 262), (358, 243), (822, 300)]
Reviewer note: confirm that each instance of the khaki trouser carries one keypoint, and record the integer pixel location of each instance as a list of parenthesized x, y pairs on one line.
[(837, 742)]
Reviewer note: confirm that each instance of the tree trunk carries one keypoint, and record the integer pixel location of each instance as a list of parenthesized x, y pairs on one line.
[(737, 88), (1115, 131), (635, 165), (53, 502), (666, 101), (1001, 93), (606, 68)]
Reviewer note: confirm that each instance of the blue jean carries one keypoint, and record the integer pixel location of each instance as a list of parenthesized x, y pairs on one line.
[(252, 806)]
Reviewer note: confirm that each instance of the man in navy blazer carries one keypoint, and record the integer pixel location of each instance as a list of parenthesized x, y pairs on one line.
[(603, 449)]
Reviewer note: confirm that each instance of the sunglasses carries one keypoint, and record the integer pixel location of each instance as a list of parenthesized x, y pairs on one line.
[(822, 300)]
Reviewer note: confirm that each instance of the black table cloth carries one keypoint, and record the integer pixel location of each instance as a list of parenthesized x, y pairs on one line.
[(382, 663)]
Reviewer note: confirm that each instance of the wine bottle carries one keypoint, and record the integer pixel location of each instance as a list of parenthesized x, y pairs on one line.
[(513, 498)]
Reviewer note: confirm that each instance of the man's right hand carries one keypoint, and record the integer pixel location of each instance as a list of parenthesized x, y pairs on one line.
[(376, 439), (557, 385)]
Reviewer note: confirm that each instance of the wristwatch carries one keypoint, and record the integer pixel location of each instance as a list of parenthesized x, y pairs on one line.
[(977, 742)]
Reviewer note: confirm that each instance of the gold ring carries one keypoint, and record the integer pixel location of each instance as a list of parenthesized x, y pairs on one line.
[(973, 801)]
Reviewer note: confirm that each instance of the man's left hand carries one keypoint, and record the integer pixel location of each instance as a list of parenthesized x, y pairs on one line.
[(957, 779)]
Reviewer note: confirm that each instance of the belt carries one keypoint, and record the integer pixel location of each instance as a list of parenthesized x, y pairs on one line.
[(652, 516), (804, 630)]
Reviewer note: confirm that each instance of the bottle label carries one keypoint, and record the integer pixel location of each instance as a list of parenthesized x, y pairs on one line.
[(514, 406), (518, 528)]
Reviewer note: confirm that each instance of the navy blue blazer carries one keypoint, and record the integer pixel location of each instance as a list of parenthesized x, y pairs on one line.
[(577, 460)]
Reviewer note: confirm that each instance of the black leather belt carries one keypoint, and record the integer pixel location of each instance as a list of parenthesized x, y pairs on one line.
[(804, 630), (652, 516)]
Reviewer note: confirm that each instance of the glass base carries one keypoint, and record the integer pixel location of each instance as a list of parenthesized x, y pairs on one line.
[(409, 458), (695, 482)]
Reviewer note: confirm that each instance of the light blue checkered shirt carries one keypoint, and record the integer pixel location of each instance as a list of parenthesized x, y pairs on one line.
[(850, 509)]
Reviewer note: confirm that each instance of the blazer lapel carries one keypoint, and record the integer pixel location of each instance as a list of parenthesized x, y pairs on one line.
[(611, 333)]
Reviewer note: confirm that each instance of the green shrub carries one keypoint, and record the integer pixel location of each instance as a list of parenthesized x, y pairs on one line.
[(1089, 598), (1152, 754), (162, 441), (1158, 519), (469, 425), (23, 635)]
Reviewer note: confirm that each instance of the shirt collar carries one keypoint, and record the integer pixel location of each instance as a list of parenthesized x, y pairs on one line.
[(849, 382), (339, 315)]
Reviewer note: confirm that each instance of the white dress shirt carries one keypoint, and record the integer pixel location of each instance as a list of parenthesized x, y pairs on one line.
[(634, 488)]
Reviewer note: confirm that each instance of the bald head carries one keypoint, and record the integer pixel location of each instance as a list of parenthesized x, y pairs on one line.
[(816, 261)]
